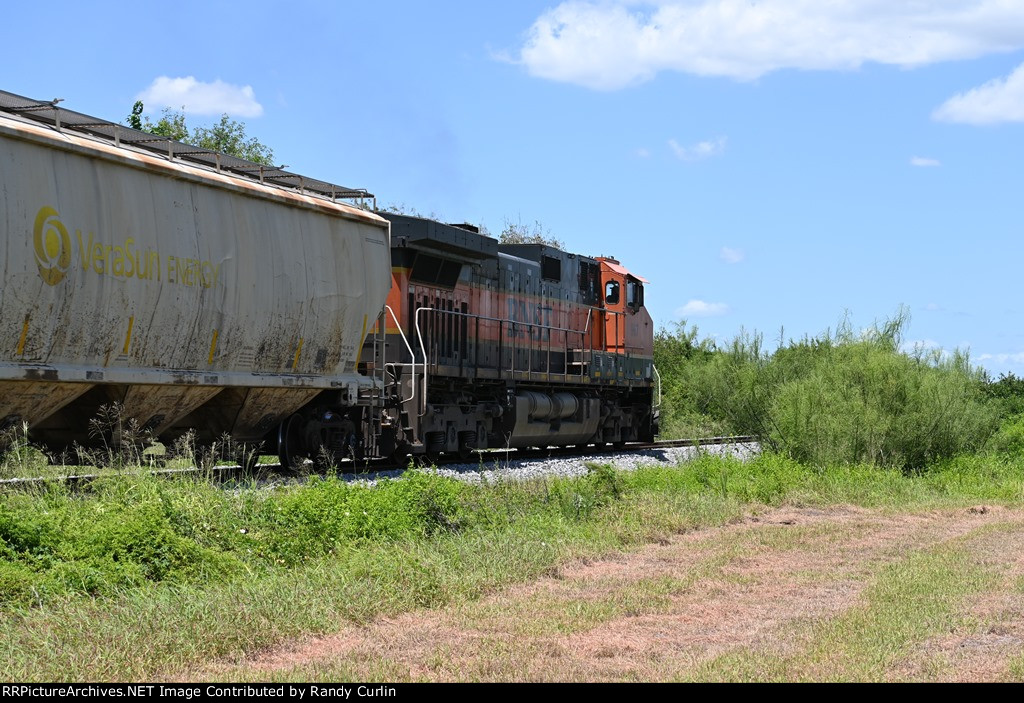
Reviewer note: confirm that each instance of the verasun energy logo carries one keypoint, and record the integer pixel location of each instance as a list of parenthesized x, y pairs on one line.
[(53, 246), (119, 259)]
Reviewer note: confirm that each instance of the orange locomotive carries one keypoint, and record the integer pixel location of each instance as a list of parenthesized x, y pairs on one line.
[(486, 345), (194, 291)]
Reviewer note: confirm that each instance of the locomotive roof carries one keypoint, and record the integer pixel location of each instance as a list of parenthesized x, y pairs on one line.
[(452, 239), (620, 269)]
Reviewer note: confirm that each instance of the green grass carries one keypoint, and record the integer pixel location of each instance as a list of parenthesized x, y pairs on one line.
[(910, 600), (116, 583)]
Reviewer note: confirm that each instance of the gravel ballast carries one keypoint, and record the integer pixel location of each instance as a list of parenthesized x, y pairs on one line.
[(491, 467)]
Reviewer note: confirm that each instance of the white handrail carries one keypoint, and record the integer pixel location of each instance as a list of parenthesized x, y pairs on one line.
[(423, 349), (412, 355), (657, 376)]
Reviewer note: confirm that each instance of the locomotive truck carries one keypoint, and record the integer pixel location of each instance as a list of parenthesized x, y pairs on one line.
[(199, 291)]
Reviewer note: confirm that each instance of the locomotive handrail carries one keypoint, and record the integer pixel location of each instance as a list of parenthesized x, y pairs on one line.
[(530, 325), (657, 377), (423, 349), (501, 320), (412, 354)]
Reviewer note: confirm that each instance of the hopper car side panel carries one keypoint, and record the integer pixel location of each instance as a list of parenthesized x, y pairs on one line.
[(161, 285)]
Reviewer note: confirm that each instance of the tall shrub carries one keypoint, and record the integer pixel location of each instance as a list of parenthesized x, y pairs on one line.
[(847, 396)]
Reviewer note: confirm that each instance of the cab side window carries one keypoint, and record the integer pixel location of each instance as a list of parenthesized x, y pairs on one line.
[(611, 292)]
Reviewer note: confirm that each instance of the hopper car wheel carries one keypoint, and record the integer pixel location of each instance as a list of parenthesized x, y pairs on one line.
[(291, 450)]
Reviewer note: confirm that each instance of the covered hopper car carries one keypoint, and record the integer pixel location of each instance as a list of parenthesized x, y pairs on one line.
[(199, 291)]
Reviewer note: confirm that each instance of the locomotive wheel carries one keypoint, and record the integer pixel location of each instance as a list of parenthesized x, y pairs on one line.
[(291, 450), (467, 443), (434, 447)]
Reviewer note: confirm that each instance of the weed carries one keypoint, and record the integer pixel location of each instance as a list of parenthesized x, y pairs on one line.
[(19, 457), (121, 440)]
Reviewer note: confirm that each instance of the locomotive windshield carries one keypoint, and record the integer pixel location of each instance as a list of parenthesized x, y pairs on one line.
[(634, 294)]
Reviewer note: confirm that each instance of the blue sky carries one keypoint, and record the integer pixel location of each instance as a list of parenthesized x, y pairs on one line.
[(766, 165)]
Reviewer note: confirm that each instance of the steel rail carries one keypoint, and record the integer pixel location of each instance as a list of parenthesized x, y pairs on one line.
[(227, 472)]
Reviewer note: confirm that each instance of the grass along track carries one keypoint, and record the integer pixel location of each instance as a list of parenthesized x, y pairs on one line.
[(366, 469), (244, 578)]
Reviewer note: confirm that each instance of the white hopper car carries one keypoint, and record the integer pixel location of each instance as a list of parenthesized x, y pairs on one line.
[(194, 289)]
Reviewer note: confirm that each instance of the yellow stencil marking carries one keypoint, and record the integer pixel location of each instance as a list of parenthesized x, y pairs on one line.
[(128, 337), (295, 362), (213, 346), (24, 336), (359, 353)]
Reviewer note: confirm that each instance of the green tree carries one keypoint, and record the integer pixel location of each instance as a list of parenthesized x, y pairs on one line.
[(227, 136)]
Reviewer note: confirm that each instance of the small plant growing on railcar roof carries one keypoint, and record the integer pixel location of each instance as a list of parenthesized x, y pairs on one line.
[(518, 233)]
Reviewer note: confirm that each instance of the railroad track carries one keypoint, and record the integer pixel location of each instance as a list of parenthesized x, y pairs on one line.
[(706, 441), (380, 467)]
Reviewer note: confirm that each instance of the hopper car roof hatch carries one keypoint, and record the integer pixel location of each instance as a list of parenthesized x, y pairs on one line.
[(46, 112)]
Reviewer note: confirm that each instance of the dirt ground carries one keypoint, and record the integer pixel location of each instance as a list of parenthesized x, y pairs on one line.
[(748, 592)]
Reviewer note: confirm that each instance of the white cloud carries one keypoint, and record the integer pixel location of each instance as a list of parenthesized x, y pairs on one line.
[(642, 153), (999, 100), (200, 98), (924, 161), (730, 255), (608, 45), (698, 151), (1017, 358), (699, 308)]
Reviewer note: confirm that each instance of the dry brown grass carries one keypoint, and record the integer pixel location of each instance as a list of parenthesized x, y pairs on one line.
[(665, 611)]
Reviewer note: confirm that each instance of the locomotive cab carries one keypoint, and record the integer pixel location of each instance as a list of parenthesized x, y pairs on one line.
[(628, 328)]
